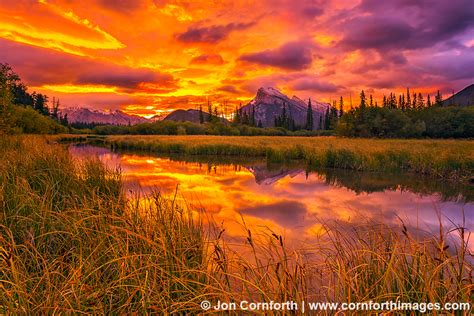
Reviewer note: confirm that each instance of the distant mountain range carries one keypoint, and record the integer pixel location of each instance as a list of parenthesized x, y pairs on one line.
[(464, 97), (84, 115), (267, 104)]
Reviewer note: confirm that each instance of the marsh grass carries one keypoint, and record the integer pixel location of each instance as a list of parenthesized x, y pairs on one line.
[(448, 159), (71, 242)]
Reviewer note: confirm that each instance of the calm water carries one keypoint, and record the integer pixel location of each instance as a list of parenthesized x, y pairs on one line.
[(288, 199)]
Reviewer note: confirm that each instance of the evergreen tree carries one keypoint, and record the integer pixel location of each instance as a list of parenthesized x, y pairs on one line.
[(333, 117), (363, 101), (320, 122), (216, 115), (201, 115), (408, 103), (420, 101), (384, 102), (428, 102), (55, 113), (341, 107), (252, 118), (41, 104), (245, 118), (438, 99), (327, 119), (309, 117), (414, 104), (209, 110), (371, 104), (392, 101), (64, 120)]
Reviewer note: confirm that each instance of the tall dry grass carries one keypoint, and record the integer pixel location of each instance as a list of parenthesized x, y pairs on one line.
[(71, 242), (448, 159)]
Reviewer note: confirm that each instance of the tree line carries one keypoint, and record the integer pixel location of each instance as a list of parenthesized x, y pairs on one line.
[(21, 111), (406, 115)]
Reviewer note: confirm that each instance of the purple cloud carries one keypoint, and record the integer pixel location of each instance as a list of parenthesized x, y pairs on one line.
[(312, 84), (211, 34), (39, 66), (228, 88), (291, 56), (406, 24)]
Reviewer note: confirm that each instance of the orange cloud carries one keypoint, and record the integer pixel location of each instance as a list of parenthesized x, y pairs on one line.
[(176, 53)]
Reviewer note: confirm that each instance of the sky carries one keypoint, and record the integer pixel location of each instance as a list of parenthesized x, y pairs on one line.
[(150, 57)]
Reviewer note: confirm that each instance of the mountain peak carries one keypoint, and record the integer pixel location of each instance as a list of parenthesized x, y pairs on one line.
[(269, 102), (271, 91)]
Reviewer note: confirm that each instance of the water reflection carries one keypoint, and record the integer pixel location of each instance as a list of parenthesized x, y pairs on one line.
[(289, 199)]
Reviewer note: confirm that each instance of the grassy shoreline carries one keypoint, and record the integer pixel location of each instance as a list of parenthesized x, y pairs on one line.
[(447, 159), (71, 242)]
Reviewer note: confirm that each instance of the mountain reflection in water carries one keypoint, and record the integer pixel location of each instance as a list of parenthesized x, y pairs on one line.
[(289, 199)]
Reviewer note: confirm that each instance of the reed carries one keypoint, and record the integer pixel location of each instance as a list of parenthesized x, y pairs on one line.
[(72, 242)]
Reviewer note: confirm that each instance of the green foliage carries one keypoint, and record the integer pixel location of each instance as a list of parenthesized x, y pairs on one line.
[(28, 121), (386, 122), (189, 128), (21, 118)]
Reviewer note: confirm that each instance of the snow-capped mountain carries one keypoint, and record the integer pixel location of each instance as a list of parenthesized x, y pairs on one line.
[(269, 102), (85, 115)]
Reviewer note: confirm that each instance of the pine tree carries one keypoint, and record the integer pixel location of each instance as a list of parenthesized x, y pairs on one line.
[(252, 117), (333, 116), (408, 103), (209, 110), (216, 115), (64, 120), (420, 101), (284, 118), (341, 107), (384, 102), (363, 101), (201, 115), (392, 101), (438, 99), (320, 122), (413, 106), (428, 102), (327, 119), (55, 113), (309, 117), (371, 101)]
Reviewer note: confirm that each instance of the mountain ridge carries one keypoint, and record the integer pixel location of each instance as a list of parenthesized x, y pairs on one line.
[(86, 115), (465, 97)]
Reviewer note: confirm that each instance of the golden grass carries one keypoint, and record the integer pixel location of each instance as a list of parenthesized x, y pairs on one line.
[(70, 242), (450, 159)]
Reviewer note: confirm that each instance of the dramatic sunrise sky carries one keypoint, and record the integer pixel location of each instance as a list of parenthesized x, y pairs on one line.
[(147, 56)]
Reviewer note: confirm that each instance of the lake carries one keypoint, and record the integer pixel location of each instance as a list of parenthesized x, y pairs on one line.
[(288, 199)]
